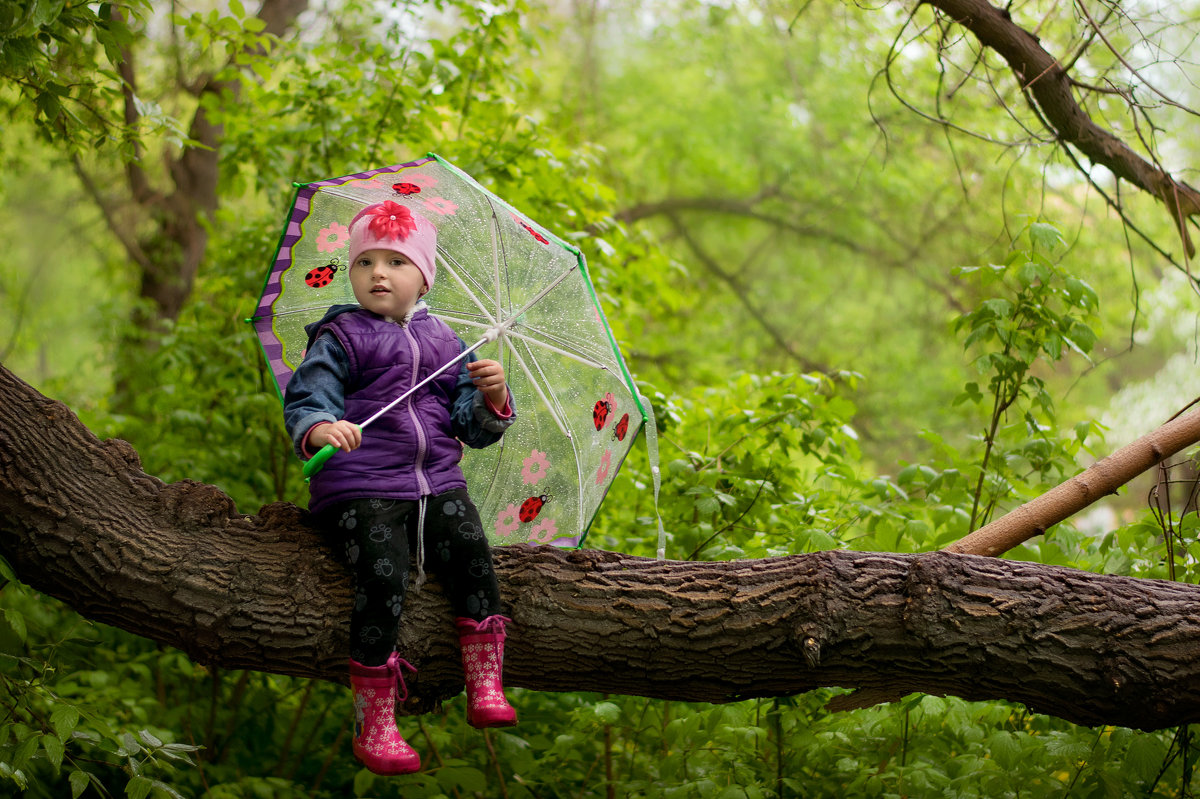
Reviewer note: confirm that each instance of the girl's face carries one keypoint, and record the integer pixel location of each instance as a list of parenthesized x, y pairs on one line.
[(386, 283)]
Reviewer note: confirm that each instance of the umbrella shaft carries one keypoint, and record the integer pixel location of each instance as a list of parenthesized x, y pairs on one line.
[(424, 382)]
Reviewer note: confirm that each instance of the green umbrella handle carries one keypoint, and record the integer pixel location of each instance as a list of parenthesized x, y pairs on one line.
[(314, 464)]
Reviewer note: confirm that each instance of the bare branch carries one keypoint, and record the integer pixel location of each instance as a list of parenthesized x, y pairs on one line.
[(1100, 479), (1045, 78)]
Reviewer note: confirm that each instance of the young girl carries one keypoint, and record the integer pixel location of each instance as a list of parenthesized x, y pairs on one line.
[(399, 488)]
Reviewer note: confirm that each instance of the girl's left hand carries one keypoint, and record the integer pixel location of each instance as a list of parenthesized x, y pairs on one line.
[(488, 377)]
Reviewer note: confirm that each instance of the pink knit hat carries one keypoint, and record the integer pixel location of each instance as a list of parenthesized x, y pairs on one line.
[(391, 226)]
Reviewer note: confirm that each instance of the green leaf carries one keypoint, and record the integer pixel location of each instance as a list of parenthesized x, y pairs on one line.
[(1144, 756), (16, 620), (1032, 272), (149, 738), (54, 750), (25, 751), (64, 719), (607, 712), (159, 785), (129, 746), (16, 775), (464, 778), (363, 781), (1044, 236), (138, 787), (79, 780)]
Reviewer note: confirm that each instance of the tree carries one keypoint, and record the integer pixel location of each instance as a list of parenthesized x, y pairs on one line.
[(179, 564)]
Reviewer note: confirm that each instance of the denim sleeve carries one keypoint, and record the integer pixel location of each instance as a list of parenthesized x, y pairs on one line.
[(316, 392), (473, 422)]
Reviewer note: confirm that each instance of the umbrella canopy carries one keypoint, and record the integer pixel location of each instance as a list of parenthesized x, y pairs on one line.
[(515, 289)]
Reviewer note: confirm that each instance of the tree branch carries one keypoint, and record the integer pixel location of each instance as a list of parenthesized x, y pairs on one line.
[(1042, 75), (179, 564), (1066, 499)]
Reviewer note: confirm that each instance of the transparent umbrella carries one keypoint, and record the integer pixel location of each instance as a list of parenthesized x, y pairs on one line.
[(513, 291)]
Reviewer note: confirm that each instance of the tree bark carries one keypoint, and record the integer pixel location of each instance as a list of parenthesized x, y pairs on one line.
[(169, 250), (1041, 74), (177, 563)]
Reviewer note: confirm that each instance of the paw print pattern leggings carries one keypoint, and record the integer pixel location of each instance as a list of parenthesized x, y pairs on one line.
[(377, 538)]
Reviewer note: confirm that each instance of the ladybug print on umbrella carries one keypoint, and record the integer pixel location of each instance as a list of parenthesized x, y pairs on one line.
[(531, 507), (321, 276), (535, 234), (405, 189), (621, 428), (600, 412)]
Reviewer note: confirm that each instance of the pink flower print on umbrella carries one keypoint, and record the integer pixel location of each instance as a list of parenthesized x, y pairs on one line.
[(424, 181), (440, 205), (605, 462), (507, 521), (332, 238), (534, 467), (544, 531)]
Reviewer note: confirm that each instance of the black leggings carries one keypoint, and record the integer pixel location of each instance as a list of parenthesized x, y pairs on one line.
[(377, 537)]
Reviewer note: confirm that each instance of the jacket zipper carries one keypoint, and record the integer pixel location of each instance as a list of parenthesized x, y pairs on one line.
[(422, 442)]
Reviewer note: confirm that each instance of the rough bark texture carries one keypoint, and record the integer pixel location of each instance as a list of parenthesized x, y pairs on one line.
[(1065, 500), (177, 563), (1041, 74)]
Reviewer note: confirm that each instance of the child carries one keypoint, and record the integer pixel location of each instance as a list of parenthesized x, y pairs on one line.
[(400, 486)]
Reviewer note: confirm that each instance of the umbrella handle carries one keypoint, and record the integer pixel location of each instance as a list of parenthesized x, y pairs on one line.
[(314, 464)]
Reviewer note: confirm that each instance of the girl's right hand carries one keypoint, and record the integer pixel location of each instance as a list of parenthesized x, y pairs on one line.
[(344, 435)]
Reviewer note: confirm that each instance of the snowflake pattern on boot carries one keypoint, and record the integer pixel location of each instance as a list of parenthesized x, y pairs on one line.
[(483, 664), (378, 744)]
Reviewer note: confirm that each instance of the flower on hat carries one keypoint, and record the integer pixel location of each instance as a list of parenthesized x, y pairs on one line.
[(389, 220)]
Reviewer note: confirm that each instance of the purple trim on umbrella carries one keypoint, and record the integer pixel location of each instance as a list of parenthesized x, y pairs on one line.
[(386, 170), (301, 208)]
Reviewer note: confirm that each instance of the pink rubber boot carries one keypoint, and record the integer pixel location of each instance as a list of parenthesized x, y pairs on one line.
[(483, 663), (377, 742)]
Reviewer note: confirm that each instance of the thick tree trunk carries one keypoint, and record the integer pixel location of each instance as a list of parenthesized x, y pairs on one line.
[(177, 563)]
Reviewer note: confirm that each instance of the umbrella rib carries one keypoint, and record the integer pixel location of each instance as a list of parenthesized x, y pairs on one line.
[(580, 358), (537, 387), (494, 227), (538, 334), (451, 317), (538, 297), (449, 259), (461, 284), (574, 451)]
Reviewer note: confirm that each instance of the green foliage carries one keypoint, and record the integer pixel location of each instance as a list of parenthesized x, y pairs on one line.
[(1035, 313), (53, 66)]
